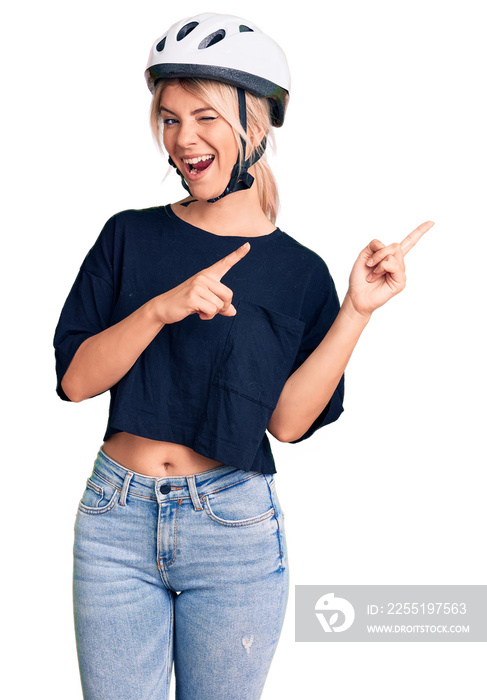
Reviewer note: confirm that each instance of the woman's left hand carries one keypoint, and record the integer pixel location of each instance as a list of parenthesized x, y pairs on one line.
[(379, 272)]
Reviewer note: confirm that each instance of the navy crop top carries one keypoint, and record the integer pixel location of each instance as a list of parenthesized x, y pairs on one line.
[(209, 385)]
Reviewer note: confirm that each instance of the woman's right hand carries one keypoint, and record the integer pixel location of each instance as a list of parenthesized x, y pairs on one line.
[(202, 294)]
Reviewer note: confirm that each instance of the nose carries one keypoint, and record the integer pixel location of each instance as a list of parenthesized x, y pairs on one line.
[(187, 135)]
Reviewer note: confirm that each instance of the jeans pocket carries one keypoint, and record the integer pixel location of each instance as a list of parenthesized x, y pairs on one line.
[(246, 503), (275, 497), (99, 495)]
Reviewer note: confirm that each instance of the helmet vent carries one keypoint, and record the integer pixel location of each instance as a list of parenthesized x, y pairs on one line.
[(184, 31), (160, 46), (212, 39), (244, 28)]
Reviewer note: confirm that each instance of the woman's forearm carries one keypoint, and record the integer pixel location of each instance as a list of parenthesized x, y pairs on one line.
[(377, 275), (309, 389), (103, 359)]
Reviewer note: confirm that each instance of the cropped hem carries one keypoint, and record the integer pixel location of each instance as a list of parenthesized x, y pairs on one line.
[(259, 460)]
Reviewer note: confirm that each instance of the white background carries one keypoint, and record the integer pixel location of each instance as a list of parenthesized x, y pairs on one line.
[(385, 129)]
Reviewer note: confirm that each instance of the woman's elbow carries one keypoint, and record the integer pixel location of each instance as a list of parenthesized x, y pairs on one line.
[(72, 393), (285, 433)]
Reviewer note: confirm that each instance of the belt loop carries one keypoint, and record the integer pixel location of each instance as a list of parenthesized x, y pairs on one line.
[(125, 488), (193, 492)]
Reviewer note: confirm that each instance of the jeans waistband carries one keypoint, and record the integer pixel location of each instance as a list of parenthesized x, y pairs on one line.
[(181, 487)]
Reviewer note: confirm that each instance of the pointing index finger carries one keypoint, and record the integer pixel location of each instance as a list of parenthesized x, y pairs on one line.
[(221, 267), (411, 240)]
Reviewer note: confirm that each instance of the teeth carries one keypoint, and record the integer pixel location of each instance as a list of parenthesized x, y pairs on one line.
[(192, 161)]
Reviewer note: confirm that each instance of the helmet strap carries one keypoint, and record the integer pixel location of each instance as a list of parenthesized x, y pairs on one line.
[(240, 179)]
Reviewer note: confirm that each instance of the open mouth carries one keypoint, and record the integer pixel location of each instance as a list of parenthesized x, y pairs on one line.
[(196, 165)]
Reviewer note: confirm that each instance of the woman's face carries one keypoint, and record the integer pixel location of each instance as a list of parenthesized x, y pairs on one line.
[(200, 142)]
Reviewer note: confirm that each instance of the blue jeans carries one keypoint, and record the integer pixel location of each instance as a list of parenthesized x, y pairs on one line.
[(190, 570)]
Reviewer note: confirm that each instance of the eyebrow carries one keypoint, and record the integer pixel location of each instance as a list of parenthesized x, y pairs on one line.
[(196, 111)]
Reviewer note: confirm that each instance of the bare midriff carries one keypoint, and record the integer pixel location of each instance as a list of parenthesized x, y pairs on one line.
[(154, 458)]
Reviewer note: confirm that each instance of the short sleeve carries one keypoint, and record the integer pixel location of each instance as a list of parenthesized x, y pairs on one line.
[(320, 309), (89, 305)]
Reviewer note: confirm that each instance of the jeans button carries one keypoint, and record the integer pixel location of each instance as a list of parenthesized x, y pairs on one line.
[(165, 488)]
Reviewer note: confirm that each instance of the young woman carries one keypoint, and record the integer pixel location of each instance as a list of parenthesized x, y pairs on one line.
[(209, 326)]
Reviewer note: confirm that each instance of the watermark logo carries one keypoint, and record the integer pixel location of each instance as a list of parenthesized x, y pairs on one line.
[(391, 613), (329, 604)]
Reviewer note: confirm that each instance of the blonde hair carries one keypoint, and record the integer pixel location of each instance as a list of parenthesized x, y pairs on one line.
[(223, 98)]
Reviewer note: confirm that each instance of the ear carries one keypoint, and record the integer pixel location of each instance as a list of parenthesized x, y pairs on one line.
[(256, 134)]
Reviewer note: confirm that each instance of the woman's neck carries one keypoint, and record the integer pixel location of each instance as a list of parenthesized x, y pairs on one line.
[(237, 214)]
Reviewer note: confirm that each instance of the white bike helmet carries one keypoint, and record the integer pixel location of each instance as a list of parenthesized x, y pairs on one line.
[(226, 48), (231, 50)]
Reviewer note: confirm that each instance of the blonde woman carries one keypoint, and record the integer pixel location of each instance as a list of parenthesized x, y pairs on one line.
[(209, 325)]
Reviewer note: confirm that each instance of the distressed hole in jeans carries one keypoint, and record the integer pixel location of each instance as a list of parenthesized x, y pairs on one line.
[(247, 642)]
